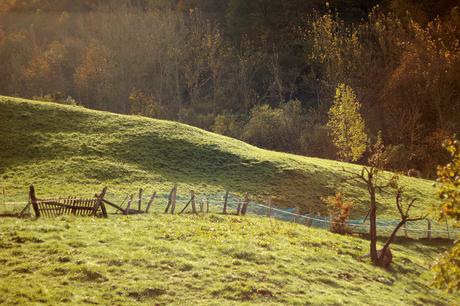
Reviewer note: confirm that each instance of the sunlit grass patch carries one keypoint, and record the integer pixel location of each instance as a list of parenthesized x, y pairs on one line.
[(205, 260)]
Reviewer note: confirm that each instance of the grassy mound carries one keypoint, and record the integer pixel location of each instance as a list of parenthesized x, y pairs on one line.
[(69, 150), (203, 260)]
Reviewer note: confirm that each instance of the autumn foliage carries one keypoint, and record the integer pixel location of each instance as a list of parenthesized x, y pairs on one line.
[(339, 211), (267, 72), (447, 267)]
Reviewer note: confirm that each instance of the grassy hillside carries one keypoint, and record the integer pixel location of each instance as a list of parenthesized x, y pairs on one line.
[(203, 260), (69, 150), (184, 260)]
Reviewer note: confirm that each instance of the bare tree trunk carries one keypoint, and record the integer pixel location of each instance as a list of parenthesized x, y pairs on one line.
[(390, 240), (373, 224)]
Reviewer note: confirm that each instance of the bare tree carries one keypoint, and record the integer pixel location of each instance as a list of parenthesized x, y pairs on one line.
[(404, 215), (372, 178), (376, 183)]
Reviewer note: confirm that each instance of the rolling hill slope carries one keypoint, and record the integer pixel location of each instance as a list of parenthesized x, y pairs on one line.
[(67, 150), (205, 259)]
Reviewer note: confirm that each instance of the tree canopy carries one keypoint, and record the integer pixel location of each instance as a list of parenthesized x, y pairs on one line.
[(198, 61), (346, 126)]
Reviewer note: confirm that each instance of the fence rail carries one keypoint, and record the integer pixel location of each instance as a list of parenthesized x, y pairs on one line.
[(215, 203)]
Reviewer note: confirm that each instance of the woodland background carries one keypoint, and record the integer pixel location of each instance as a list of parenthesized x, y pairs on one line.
[(264, 71)]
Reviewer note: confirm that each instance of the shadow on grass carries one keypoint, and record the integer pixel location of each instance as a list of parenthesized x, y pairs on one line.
[(407, 241), (194, 163), (207, 164)]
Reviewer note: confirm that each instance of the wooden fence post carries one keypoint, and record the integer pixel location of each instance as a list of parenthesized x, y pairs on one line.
[(192, 193), (33, 199), (170, 199), (308, 221), (130, 200), (270, 207), (192, 199), (119, 207), (245, 204), (25, 210), (238, 209), (207, 204), (100, 203), (201, 205), (139, 200), (296, 211), (225, 202), (173, 200), (150, 202)]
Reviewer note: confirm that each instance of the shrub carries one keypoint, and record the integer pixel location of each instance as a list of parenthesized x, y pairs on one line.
[(228, 124), (144, 104), (57, 98), (339, 211), (276, 128), (190, 116), (263, 127)]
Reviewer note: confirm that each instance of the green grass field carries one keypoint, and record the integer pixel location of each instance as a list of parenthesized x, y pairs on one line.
[(203, 260), (70, 150), (207, 259)]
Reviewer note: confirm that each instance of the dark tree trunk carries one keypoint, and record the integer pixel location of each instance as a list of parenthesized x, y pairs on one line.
[(386, 247), (373, 223)]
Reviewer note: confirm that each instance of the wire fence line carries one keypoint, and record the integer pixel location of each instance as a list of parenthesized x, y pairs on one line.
[(215, 202), (415, 229)]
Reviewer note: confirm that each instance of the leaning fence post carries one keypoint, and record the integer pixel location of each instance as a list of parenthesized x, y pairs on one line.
[(121, 205), (33, 199), (245, 204), (173, 200), (188, 203), (25, 210), (170, 199), (139, 200), (100, 203), (129, 204), (225, 202), (150, 202), (192, 194)]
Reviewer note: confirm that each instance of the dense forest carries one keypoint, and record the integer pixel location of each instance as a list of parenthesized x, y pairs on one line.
[(265, 71)]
